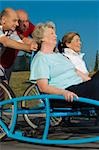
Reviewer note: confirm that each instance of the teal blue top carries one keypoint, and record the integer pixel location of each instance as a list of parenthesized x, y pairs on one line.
[(58, 69)]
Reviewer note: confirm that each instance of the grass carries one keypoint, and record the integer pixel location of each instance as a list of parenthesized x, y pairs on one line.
[(18, 82)]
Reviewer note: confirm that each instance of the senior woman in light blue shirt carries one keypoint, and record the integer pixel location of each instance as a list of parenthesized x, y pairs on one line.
[(54, 73)]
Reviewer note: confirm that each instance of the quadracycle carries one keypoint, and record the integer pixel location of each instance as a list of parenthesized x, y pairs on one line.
[(31, 118)]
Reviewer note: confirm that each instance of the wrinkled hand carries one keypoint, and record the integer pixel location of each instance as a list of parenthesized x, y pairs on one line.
[(27, 40), (31, 42), (69, 96), (34, 46)]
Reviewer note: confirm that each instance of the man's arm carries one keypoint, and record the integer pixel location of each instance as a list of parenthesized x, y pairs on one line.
[(16, 45)]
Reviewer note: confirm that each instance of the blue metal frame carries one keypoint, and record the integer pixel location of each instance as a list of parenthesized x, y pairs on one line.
[(13, 133)]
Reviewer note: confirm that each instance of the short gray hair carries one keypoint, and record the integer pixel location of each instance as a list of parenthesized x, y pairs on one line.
[(38, 33)]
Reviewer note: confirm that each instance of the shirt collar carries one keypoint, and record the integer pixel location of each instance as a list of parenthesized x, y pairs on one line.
[(70, 51), (7, 32)]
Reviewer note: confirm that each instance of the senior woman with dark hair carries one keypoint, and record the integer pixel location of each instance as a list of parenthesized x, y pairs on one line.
[(54, 73)]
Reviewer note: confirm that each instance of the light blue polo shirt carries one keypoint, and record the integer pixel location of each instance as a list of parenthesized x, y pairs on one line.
[(58, 69)]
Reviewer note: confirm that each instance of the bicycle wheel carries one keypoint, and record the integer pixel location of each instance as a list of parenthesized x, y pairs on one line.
[(32, 121), (6, 110), (31, 90)]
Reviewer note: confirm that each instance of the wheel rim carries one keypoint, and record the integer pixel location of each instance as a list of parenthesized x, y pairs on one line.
[(33, 90), (6, 110)]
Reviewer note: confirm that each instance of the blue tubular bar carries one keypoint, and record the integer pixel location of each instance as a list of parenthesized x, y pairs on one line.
[(31, 111), (14, 117), (47, 119), (58, 142), (13, 120), (3, 125), (44, 140), (51, 96), (58, 114)]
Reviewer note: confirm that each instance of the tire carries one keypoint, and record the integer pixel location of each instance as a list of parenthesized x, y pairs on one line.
[(33, 90), (5, 115)]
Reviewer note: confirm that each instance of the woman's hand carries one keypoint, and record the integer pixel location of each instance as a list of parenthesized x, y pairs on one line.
[(69, 96)]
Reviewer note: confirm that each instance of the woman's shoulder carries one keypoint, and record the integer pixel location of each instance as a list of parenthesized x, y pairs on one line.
[(40, 57)]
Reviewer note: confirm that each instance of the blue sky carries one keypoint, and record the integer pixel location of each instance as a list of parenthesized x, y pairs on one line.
[(80, 16)]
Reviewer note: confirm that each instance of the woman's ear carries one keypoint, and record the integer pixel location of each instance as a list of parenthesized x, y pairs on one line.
[(67, 44), (43, 39)]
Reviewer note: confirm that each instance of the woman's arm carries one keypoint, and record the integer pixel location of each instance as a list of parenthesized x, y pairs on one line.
[(46, 88)]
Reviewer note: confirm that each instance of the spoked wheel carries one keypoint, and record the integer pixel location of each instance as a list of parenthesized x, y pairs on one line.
[(32, 119), (5, 110)]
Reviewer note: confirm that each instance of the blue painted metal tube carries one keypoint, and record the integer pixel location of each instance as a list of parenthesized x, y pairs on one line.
[(10, 129), (3, 125), (44, 140), (47, 119), (58, 114), (57, 142), (14, 117), (43, 96), (31, 111)]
